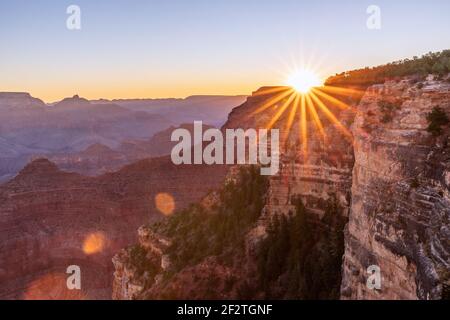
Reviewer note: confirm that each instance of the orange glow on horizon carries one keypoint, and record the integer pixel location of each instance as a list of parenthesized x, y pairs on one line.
[(54, 92)]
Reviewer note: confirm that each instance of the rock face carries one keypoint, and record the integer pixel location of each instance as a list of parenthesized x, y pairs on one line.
[(313, 169), (50, 220), (124, 286), (400, 210), (193, 282)]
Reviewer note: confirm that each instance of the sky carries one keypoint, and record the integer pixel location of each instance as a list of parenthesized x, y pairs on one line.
[(177, 48)]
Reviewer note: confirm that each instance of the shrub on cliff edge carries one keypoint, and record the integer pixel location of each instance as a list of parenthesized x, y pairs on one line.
[(436, 119)]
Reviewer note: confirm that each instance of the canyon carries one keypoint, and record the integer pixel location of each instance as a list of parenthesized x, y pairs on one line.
[(99, 159), (379, 197), (50, 219), (374, 194), (81, 135)]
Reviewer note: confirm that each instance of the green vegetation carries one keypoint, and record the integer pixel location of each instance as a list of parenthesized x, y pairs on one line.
[(437, 63), (415, 183), (197, 233), (388, 109), (138, 259), (446, 291), (436, 119), (302, 257)]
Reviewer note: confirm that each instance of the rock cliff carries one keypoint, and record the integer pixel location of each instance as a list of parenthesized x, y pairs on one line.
[(400, 211)]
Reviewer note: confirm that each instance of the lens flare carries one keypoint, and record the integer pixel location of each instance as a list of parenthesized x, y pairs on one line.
[(94, 243), (165, 203)]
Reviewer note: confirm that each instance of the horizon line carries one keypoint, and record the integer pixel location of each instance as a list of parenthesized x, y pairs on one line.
[(49, 102)]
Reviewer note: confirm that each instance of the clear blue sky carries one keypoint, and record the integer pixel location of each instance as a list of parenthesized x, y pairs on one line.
[(165, 48)]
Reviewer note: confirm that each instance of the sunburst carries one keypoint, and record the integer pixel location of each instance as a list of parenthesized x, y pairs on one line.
[(304, 80), (307, 100)]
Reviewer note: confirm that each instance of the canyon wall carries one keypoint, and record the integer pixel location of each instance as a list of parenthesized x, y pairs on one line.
[(311, 168), (400, 211)]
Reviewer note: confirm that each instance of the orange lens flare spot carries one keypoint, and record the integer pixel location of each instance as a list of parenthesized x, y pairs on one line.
[(94, 243), (165, 203)]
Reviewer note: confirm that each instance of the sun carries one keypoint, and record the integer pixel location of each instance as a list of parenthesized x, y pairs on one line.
[(304, 80), (307, 102)]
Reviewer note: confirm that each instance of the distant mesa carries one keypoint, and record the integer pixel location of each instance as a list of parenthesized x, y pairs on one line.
[(76, 100), (41, 165), (19, 100), (14, 95)]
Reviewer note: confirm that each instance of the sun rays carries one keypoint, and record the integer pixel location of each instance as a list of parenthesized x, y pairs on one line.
[(312, 108)]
